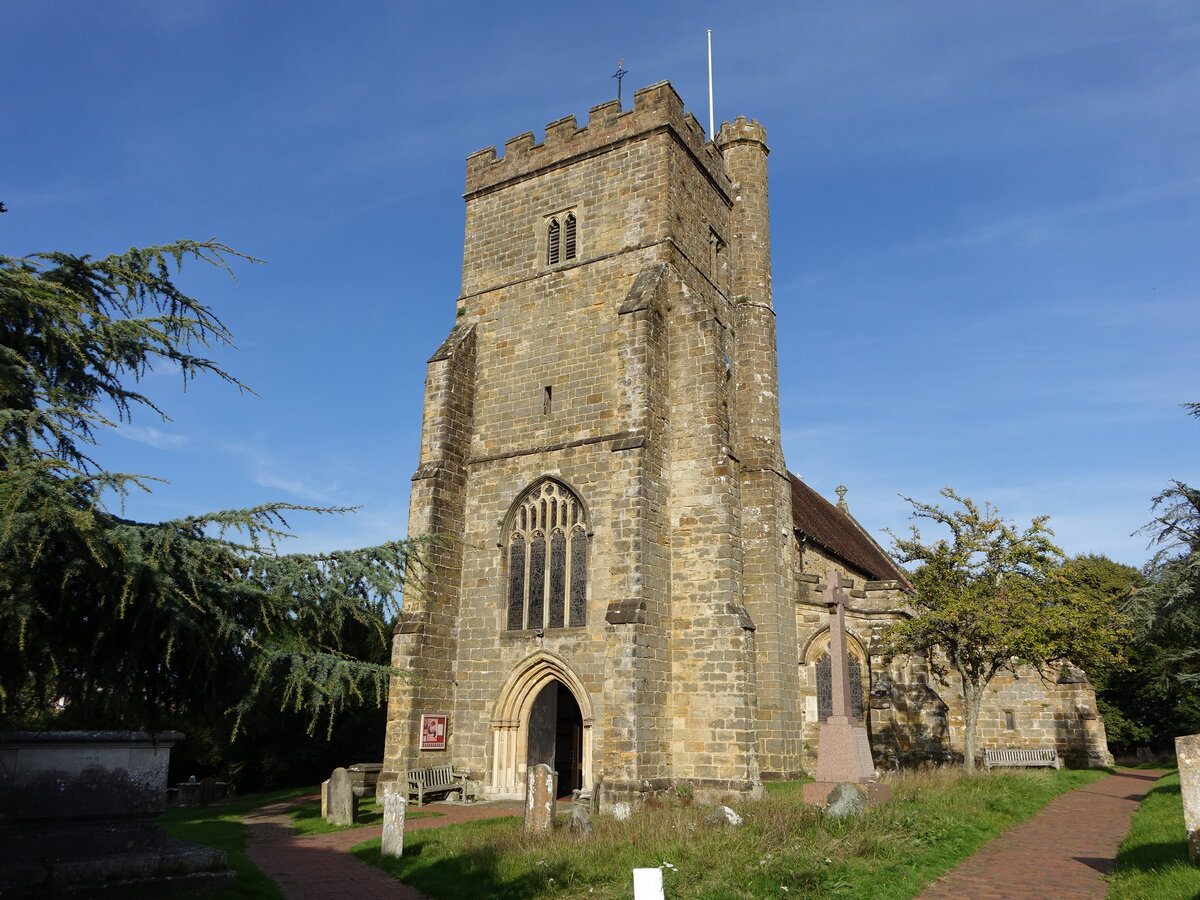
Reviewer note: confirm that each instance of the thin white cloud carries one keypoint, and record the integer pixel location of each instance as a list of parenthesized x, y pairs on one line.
[(265, 469), (154, 437)]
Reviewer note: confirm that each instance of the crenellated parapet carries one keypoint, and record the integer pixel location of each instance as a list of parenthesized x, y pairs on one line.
[(655, 108)]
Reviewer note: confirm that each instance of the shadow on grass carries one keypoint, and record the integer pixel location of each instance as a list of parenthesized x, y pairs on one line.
[(1151, 856), (474, 874), (1164, 789)]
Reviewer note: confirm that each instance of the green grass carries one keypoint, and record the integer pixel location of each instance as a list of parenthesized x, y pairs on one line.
[(785, 849), (307, 817), (1153, 861), (221, 827)]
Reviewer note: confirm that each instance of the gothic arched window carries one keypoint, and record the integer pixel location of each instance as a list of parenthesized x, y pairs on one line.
[(547, 560), (825, 687)]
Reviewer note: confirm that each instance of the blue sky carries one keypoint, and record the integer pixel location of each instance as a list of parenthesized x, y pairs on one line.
[(985, 225)]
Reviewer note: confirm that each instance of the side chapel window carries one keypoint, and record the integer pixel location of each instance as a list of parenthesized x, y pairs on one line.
[(825, 687), (561, 239), (547, 560)]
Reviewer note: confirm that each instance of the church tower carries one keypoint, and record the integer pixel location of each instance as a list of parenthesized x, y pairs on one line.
[(609, 589)]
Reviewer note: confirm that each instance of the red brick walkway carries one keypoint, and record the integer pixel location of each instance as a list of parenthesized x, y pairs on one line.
[(318, 867), (1062, 853)]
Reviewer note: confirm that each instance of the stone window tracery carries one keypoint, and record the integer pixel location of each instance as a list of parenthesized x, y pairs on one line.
[(547, 560)]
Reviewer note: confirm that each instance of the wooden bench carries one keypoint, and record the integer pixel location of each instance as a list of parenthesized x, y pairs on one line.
[(997, 757), (432, 781)]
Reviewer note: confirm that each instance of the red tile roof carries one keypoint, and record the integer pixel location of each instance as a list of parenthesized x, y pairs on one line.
[(837, 532)]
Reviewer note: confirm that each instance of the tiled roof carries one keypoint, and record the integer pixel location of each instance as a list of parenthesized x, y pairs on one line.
[(837, 532)]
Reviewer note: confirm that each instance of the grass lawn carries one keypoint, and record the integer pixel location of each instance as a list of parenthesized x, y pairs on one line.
[(1153, 861), (221, 827), (785, 849), (307, 817)]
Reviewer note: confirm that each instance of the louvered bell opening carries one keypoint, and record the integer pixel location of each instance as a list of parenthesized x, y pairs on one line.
[(554, 243), (570, 238)]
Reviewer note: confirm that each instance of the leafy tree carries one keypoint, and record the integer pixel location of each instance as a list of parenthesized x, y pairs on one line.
[(120, 622), (1123, 693), (1164, 693), (991, 597)]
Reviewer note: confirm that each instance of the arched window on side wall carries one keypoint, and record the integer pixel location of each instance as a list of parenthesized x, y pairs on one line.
[(547, 560), (820, 675)]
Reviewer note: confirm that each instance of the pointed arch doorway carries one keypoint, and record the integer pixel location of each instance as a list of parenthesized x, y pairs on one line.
[(543, 715), (556, 735)]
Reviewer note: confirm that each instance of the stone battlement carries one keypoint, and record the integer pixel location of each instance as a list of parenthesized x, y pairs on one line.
[(654, 107)]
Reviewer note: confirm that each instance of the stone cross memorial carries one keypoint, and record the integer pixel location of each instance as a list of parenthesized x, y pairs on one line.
[(843, 750), (1187, 752), (540, 799)]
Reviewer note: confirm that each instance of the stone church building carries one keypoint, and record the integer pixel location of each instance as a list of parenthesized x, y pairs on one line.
[(627, 579)]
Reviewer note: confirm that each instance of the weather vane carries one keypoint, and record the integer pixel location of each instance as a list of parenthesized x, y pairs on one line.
[(619, 74)]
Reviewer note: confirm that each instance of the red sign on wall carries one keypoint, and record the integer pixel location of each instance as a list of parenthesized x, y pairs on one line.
[(433, 732)]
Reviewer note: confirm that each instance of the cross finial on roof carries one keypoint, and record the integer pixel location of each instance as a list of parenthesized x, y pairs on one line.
[(841, 490), (619, 74)]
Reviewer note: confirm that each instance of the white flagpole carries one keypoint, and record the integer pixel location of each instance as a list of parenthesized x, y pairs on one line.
[(711, 134)]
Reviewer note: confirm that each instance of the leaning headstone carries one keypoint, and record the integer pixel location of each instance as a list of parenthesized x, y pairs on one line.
[(846, 800), (325, 799), (394, 806), (581, 819), (343, 805), (647, 884), (1187, 752), (209, 792), (540, 798), (723, 815)]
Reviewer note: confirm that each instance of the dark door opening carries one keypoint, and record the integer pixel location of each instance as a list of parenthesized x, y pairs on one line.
[(556, 735)]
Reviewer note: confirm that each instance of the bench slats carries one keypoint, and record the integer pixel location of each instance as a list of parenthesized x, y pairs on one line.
[(433, 780), (996, 756)]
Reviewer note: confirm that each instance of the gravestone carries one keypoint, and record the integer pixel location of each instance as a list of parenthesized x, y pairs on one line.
[(581, 819), (365, 778), (343, 805), (1187, 752), (540, 798), (325, 799), (843, 749), (210, 792), (846, 800), (622, 811), (723, 815), (394, 806)]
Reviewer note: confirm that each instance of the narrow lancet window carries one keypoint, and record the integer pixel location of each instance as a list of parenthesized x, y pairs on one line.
[(569, 241), (558, 580), (554, 243), (516, 581)]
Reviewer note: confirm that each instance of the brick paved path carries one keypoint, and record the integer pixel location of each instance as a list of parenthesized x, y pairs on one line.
[(1062, 853), (318, 867)]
